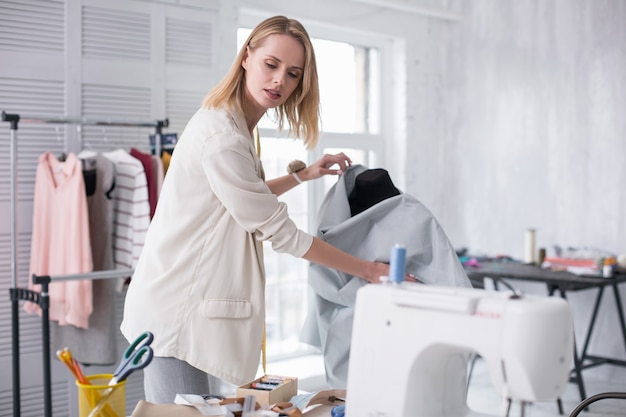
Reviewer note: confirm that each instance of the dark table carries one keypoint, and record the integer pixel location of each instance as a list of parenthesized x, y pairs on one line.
[(561, 282)]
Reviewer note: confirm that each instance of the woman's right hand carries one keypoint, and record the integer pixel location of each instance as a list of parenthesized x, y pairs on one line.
[(323, 253), (338, 162), (379, 269)]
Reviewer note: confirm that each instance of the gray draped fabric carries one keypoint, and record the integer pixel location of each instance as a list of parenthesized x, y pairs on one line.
[(370, 235)]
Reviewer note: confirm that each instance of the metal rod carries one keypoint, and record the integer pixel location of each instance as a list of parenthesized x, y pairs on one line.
[(15, 343), (592, 323), (14, 203), (604, 395), (620, 311), (44, 303), (87, 121), (15, 321), (110, 273)]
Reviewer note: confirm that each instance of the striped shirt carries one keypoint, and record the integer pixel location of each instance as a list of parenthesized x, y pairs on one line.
[(131, 208)]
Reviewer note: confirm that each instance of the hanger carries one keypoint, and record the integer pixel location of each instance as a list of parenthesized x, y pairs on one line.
[(63, 155)]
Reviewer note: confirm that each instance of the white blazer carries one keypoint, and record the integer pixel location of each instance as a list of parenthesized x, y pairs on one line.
[(199, 283)]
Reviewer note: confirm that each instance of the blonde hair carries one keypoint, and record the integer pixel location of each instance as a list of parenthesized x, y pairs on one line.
[(301, 109)]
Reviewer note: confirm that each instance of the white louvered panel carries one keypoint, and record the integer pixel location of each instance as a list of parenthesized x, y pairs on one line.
[(30, 334), (23, 247), (134, 384), (32, 396), (30, 324), (119, 103), (23, 261), (60, 393), (34, 140), (180, 106), (188, 42), (6, 403), (23, 250), (29, 97), (32, 25), (110, 33), (116, 102), (5, 307), (32, 401)]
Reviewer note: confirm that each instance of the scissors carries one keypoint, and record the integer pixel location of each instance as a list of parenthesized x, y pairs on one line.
[(137, 356)]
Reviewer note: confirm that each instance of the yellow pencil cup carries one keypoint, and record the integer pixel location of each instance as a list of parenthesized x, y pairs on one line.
[(90, 395)]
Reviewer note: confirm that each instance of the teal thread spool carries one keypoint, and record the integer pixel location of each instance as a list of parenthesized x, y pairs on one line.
[(397, 263)]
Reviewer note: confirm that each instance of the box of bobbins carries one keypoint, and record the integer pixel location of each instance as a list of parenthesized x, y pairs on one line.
[(270, 389)]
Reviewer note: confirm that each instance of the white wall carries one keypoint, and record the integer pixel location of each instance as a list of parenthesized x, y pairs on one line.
[(534, 130), (534, 136)]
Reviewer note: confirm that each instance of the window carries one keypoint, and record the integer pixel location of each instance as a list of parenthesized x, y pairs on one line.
[(351, 112)]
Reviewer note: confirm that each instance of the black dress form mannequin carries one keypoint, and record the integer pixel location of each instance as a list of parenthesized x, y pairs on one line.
[(370, 188)]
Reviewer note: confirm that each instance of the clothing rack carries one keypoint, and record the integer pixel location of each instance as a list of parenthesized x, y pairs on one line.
[(43, 299)]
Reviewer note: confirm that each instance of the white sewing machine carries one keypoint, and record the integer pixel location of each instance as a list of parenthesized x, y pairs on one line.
[(411, 344)]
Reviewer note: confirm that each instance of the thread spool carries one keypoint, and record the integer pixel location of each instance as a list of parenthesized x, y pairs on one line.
[(542, 256), (397, 263), (529, 256)]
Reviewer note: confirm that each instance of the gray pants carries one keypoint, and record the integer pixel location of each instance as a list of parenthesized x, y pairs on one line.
[(166, 377)]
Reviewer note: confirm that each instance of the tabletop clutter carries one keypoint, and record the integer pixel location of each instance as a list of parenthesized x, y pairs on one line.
[(268, 393), (586, 261), (267, 396), (103, 395)]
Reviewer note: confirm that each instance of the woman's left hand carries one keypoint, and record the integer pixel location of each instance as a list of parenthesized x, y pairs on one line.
[(327, 165)]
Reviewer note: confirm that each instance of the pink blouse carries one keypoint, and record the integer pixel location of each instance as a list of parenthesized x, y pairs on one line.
[(60, 239)]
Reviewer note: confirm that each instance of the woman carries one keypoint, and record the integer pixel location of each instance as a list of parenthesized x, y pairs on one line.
[(199, 283)]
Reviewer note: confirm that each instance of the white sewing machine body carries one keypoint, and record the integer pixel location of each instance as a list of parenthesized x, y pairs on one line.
[(411, 344)]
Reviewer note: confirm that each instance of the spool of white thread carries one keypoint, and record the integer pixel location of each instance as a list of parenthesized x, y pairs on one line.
[(621, 263), (529, 256)]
